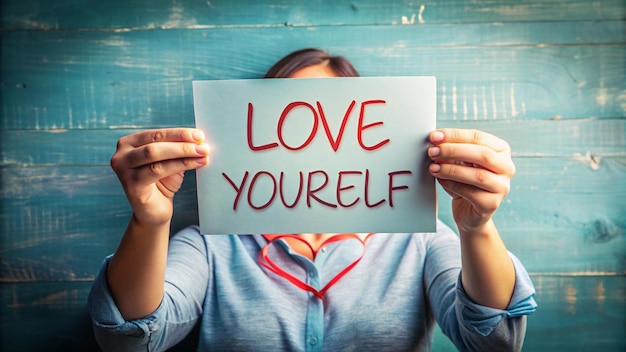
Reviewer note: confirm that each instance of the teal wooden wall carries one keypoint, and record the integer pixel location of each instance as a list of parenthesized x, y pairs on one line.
[(549, 76)]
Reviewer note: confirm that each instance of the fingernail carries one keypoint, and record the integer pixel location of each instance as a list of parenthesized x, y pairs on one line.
[(435, 168), (434, 151), (198, 136), (437, 136), (203, 149)]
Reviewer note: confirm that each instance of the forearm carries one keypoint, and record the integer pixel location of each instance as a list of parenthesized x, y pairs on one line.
[(488, 274), (136, 272)]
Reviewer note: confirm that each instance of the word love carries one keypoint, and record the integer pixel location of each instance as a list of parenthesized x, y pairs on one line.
[(317, 181), (318, 116)]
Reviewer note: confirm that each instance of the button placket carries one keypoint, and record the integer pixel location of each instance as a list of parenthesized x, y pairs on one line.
[(314, 333), (313, 277)]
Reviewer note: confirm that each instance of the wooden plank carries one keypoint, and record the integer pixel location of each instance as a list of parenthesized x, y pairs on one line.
[(578, 314), (46, 15), (546, 75), (67, 80), (563, 215), (574, 314), (560, 211), (46, 317), (579, 139), (59, 147), (528, 138), (57, 222)]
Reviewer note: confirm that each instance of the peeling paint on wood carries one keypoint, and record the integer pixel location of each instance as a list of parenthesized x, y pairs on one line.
[(46, 15), (81, 83)]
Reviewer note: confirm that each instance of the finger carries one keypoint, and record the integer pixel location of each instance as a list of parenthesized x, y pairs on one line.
[(469, 136), (477, 177), (190, 135), (484, 203), (482, 156), (156, 171), (170, 185), (162, 151)]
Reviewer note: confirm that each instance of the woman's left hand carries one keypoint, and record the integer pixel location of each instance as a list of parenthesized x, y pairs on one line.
[(475, 168)]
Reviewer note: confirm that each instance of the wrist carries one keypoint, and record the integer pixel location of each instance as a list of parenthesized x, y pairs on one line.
[(485, 229), (149, 226)]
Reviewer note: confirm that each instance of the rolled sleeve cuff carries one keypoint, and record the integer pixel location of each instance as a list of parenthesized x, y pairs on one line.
[(107, 319), (484, 320)]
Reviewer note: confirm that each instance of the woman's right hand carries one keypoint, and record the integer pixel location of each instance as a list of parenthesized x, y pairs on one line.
[(151, 165)]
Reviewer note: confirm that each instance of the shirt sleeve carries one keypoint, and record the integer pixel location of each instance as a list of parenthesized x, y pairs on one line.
[(186, 279), (470, 326)]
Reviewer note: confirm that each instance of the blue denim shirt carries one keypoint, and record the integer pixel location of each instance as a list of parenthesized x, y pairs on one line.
[(389, 301)]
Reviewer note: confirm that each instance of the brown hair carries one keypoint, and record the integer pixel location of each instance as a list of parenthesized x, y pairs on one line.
[(291, 63)]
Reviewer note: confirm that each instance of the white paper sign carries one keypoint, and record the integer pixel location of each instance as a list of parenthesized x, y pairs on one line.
[(328, 155)]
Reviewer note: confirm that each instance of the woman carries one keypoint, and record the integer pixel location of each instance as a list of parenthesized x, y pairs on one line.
[(311, 292)]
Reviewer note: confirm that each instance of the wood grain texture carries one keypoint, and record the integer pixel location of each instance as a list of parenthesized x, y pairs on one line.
[(69, 80), (57, 223), (548, 76), (578, 314), (45, 15)]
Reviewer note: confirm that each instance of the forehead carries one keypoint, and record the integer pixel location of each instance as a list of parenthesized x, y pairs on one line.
[(314, 71)]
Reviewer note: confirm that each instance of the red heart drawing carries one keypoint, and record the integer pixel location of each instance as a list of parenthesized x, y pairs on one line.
[(268, 263)]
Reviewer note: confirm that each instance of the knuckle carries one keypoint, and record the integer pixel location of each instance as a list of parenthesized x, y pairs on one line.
[(149, 151), (507, 147), (118, 162), (189, 149), (187, 135), (187, 163), (114, 162), (451, 170), (486, 156), (156, 168), (494, 204), (158, 136), (490, 205), (508, 167), (507, 188), (481, 176), (477, 136), (120, 143), (455, 134)]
